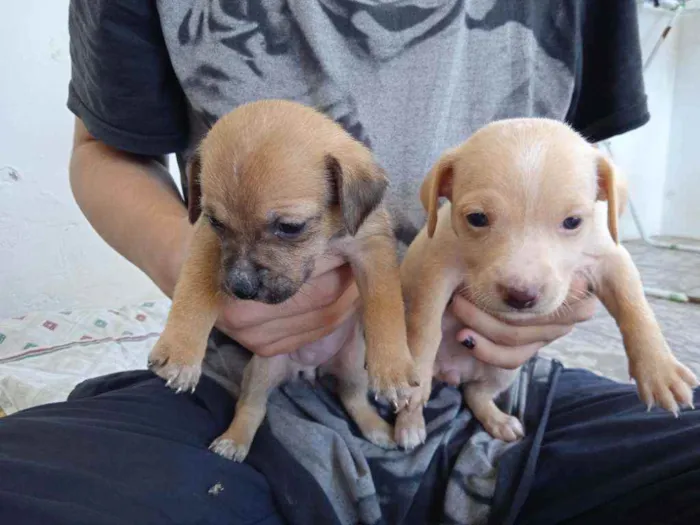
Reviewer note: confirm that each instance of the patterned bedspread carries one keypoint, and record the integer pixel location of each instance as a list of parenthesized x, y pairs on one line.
[(43, 355)]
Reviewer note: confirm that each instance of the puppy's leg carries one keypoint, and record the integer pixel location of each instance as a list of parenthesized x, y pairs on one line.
[(178, 353), (427, 290), (261, 375), (353, 385), (427, 296), (660, 378), (391, 370), (479, 396)]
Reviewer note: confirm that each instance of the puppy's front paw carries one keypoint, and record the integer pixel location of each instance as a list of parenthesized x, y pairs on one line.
[(229, 449), (394, 380), (664, 382), (504, 427), (409, 431), (174, 363)]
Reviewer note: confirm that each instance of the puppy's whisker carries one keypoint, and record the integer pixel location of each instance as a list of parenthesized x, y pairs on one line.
[(379, 235), (482, 300), (592, 277), (464, 291), (565, 309)]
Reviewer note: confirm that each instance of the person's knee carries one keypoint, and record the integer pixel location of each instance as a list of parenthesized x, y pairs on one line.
[(99, 385)]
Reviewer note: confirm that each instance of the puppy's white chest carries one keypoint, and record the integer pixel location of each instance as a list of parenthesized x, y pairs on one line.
[(456, 366), (320, 353)]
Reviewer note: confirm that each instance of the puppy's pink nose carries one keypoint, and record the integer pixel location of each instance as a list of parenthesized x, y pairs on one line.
[(520, 298)]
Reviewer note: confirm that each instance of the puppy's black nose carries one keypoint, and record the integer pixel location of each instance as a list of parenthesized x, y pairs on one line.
[(243, 285), (520, 298)]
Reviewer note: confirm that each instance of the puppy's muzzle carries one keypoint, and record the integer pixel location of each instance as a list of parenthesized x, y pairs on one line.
[(520, 298), (243, 282)]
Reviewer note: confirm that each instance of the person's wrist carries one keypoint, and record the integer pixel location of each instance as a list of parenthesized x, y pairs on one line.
[(168, 257)]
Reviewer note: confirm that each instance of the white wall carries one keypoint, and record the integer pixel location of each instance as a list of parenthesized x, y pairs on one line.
[(49, 256), (662, 159), (642, 154), (682, 192)]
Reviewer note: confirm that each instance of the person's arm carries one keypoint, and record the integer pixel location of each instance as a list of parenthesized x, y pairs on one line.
[(131, 111), (133, 204)]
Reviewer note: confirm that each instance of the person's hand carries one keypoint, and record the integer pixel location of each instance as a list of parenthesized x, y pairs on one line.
[(510, 345), (322, 304)]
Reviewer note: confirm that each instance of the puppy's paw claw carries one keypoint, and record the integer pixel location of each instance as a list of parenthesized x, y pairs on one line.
[(394, 382), (180, 377), (229, 449), (667, 384)]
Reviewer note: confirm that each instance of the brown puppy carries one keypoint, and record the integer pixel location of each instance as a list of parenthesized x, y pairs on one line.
[(281, 187), (525, 216)]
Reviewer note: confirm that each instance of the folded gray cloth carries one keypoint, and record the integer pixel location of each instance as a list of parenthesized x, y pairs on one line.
[(362, 482)]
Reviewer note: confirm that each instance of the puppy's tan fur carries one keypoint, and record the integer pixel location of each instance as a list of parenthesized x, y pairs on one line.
[(263, 167), (527, 176)]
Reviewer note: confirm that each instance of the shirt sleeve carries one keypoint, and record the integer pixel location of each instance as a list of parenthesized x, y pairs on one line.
[(609, 97), (122, 85)]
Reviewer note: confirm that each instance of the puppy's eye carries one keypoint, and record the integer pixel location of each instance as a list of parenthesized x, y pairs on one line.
[(478, 220), (572, 223), (216, 223), (290, 230)]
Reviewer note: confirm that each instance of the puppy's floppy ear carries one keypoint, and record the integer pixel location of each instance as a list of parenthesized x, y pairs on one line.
[(194, 187), (612, 188), (438, 183), (358, 185)]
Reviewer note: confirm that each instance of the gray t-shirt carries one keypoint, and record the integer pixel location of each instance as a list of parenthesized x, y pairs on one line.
[(410, 78)]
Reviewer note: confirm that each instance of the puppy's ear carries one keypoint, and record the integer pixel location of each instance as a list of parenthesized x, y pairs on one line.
[(358, 186), (438, 183), (194, 187), (611, 188)]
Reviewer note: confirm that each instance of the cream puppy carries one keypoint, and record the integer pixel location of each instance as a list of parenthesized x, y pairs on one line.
[(530, 206)]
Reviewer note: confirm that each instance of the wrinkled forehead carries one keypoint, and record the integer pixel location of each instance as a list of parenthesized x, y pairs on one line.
[(527, 164), (253, 181)]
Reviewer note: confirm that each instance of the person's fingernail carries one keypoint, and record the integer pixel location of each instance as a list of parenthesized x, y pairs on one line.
[(469, 342)]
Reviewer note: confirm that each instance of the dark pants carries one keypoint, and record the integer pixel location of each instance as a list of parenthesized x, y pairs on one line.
[(601, 459), (125, 450)]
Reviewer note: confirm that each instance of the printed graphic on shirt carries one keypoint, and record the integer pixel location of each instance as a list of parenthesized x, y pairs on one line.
[(410, 78), (407, 78)]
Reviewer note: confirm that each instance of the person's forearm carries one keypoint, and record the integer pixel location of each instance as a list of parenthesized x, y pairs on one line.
[(133, 204)]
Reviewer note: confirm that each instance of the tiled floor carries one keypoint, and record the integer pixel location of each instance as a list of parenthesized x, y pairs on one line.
[(597, 344)]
